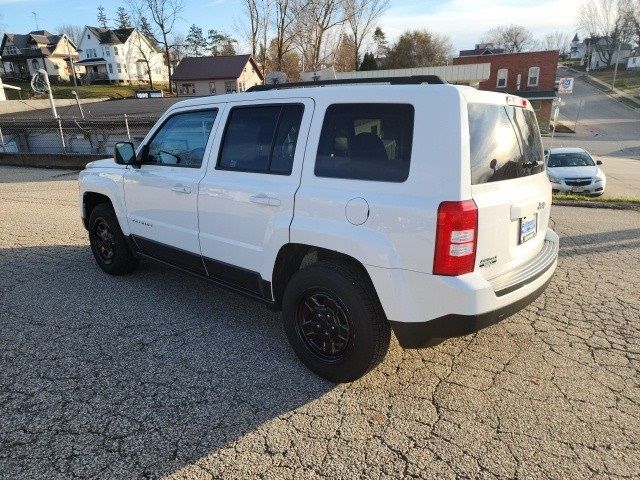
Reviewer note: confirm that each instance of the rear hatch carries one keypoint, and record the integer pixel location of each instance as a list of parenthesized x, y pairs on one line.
[(508, 184)]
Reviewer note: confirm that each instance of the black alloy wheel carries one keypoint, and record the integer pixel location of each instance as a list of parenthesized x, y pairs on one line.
[(323, 324), (104, 240)]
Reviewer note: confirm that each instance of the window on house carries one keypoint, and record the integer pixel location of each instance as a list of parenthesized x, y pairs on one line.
[(187, 89), (534, 77), (119, 68), (366, 141), (124, 65), (230, 87), (107, 52), (261, 139), (110, 68), (181, 141), (115, 51), (88, 36), (212, 88), (502, 78)]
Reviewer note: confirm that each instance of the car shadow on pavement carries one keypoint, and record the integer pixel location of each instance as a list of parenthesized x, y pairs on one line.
[(133, 376)]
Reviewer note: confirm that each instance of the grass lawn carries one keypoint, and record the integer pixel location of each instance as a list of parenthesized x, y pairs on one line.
[(569, 197), (626, 80), (64, 90)]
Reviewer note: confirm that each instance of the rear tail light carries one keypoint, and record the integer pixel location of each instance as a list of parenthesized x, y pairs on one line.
[(456, 238)]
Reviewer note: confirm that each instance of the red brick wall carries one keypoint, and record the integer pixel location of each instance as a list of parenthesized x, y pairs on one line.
[(517, 63)]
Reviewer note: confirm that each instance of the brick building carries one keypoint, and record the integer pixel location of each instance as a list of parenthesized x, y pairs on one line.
[(531, 75)]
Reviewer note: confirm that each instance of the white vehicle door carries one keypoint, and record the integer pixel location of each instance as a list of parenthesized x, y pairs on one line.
[(161, 195), (246, 198)]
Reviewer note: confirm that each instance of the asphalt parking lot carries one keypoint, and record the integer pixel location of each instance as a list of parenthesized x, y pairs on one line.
[(157, 374)]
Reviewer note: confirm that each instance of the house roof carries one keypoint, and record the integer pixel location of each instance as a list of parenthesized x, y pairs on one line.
[(111, 36), (25, 42), (213, 68), (481, 51)]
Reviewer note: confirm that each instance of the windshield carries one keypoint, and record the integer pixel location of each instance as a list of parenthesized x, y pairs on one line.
[(505, 143), (573, 159)]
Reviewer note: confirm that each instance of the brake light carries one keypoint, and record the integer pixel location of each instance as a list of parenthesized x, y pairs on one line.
[(456, 238)]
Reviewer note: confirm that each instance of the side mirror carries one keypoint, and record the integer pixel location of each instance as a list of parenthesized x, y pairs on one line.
[(598, 162), (124, 153)]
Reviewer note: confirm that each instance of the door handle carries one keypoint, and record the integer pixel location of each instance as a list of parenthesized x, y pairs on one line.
[(263, 199), (181, 189)]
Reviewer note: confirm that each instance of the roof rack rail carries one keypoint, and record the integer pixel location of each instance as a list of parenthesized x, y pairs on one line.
[(412, 80)]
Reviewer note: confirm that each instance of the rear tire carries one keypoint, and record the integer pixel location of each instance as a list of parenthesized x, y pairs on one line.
[(108, 243), (334, 321)]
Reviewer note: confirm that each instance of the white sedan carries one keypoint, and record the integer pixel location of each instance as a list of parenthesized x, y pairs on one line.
[(574, 170)]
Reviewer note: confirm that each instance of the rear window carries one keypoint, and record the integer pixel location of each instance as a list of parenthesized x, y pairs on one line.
[(366, 141), (505, 143)]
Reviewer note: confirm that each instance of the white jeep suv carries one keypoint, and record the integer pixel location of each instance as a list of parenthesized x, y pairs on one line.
[(355, 209)]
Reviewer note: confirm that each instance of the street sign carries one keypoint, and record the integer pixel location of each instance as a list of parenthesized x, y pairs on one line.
[(565, 85)]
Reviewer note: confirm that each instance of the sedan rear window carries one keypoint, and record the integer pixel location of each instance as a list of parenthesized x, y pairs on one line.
[(505, 143)]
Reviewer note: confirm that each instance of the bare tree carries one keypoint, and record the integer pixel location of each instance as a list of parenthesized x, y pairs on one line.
[(283, 20), (607, 24), (556, 41), (633, 18), (250, 29), (164, 14), (146, 55), (314, 21), (362, 16), (513, 38), (74, 32)]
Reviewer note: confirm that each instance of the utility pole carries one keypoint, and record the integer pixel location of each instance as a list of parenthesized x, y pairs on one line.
[(615, 68), (73, 66)]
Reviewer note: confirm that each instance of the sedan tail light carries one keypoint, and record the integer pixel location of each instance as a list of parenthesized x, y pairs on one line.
[(456, 238)]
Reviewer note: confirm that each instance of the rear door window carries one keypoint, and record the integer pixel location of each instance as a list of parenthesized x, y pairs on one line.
[(505, 143), (261, 139), (366, 141)]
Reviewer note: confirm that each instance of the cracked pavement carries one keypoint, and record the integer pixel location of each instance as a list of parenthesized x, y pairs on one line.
[(160, 375)]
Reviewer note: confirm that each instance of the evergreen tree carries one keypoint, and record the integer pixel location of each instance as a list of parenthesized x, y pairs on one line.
[(122, 18), (382, 46), (146, 31), (196, 41), (102, 17), (368, 62), (219, 43)]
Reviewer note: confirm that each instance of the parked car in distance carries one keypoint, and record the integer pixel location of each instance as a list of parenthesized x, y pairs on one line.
[(574, 170), (355, 210)]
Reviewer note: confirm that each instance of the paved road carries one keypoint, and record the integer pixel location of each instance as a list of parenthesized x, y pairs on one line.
[(605, 127), (157, 374)]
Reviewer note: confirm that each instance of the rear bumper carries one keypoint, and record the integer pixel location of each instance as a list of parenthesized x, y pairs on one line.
[(422, 334), (423, 307)]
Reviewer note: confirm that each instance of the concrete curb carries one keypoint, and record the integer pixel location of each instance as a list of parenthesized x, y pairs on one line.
[(597, 204)]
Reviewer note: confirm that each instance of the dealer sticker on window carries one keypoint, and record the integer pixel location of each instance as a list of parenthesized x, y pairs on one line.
[(528, 227)]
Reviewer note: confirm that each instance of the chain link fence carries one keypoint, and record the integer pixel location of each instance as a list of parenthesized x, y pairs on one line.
[(71, 135)]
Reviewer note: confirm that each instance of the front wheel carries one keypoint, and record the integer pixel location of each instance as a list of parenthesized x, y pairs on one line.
[(334, 321), (108, 243)]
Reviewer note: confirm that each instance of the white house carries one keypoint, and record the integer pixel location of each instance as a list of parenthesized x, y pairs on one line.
[(24, 54), (597, 58), (120, 55), (577, 49), (633, 62)]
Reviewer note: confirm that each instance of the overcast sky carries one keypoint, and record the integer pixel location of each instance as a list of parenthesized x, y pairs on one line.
[(464, 21)]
